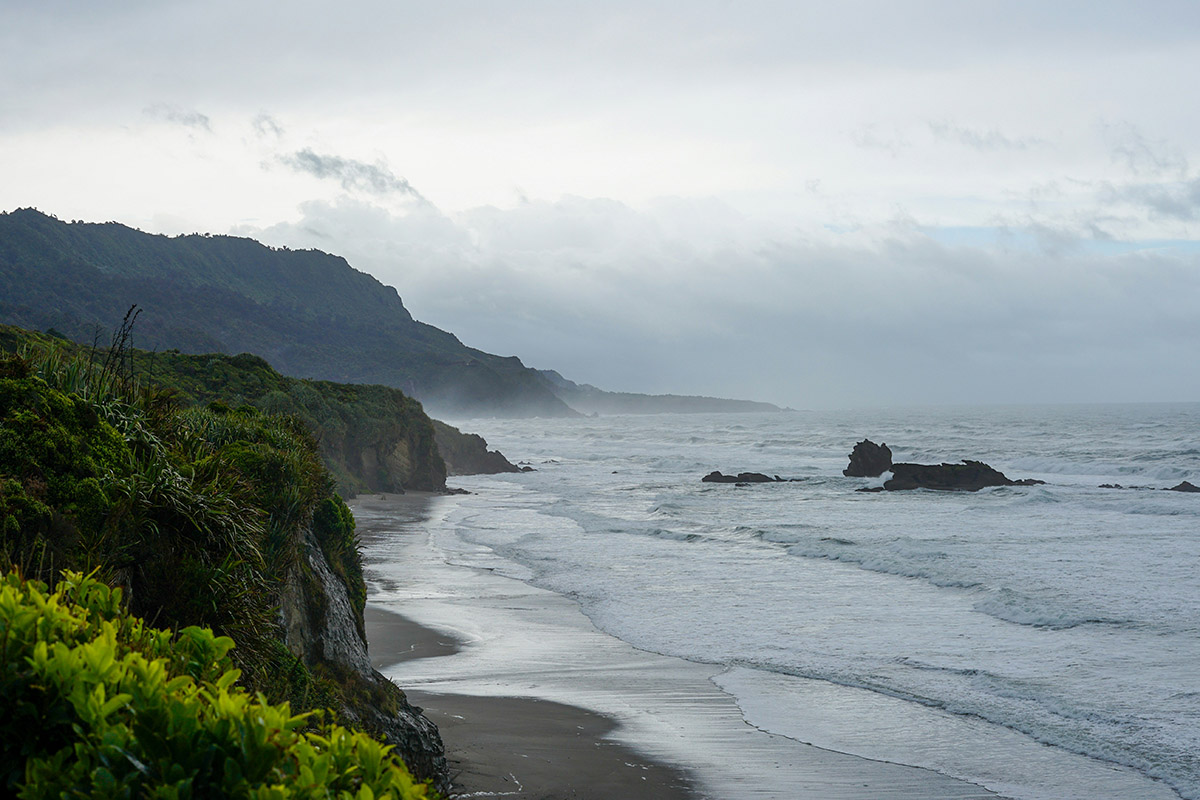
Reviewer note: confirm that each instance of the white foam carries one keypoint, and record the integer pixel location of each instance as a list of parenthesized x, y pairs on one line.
[(1065, 612), (527, 642), (878, 726)]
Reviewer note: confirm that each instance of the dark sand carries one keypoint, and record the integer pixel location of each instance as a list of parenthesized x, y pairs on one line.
[(521, 747), (541, 750), (394, 639)]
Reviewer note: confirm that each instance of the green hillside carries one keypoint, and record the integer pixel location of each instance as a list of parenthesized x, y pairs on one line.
[(307, 313)]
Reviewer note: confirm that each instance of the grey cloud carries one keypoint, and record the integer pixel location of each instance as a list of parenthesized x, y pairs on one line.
[(1177, 201), (870, 138), (631, 300), (266, 125), (179, 116), (351, 174), (1142, 155), (982, 140)]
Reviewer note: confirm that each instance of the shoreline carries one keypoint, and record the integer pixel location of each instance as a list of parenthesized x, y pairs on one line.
[(521, 747), (393, 638), (531, 652), (515, 746)]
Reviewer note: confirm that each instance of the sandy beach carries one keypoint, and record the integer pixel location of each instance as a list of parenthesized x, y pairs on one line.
[(534, 702), (520, 747)]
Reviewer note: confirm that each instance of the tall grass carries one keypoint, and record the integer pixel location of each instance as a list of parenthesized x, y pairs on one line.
[(197, 515)]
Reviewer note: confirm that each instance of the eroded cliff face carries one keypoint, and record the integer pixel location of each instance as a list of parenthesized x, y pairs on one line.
[(389, 466), (391, 463), (323, 629), (467, 453)]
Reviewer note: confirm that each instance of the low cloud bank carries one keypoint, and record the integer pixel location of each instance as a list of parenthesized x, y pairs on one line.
[(691, 297)]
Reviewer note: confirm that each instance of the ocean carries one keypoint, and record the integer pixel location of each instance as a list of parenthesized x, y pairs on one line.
[(1041, 641)]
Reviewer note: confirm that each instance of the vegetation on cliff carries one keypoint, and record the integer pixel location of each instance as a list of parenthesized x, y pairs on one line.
[(372, 438), (100, 704), (217, 517)]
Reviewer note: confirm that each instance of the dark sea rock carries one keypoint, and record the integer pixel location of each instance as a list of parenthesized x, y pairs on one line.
[(969, 476), (1186, 486), (869, 460), (742, 477), (467, 453)]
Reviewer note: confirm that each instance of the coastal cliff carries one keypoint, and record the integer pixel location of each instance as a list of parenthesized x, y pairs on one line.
[(324, 629), (212, 516), (371, 438), (467, 453)]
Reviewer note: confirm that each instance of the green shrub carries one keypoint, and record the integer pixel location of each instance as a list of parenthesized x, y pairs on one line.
[(96, 703), (199, 514)]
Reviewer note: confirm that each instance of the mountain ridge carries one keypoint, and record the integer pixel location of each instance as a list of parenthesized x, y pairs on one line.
[(308, 313)]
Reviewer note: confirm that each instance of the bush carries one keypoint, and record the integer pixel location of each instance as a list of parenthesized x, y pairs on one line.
[(96, 703)]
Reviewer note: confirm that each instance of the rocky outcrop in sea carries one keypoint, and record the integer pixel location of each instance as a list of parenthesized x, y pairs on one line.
[(868, 460), (967, 476)]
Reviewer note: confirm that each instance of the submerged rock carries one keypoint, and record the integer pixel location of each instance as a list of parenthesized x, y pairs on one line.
[(869, 460), (969, 476), (1186, 486)]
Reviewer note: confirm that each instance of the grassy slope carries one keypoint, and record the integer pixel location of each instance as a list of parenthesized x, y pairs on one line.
[(372, 438)]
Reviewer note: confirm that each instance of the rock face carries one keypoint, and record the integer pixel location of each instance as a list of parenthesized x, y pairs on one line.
[(467, 453), (869, 460), (969, 476), (1186, 486), (322, 628), (741, 477)]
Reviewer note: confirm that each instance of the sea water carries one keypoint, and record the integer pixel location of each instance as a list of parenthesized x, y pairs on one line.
[(1040, 641)]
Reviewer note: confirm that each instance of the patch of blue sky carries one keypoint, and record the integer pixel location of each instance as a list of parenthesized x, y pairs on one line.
[(985, 237)]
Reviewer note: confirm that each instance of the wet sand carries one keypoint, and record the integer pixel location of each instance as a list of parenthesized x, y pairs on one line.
[(536, 703), (523, 748), (535, 749), (393, 639)]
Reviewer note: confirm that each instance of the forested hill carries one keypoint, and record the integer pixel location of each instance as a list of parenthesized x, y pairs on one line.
[(308, 313)]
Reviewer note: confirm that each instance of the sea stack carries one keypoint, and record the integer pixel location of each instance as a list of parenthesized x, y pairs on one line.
[(868, 460)]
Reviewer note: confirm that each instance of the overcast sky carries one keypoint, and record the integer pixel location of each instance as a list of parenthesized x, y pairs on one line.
[(810, 203)]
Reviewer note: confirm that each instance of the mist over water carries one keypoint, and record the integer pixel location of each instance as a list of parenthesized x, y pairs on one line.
[(1041, 641)]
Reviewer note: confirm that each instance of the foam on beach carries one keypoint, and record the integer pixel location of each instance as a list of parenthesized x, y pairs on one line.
[(521, 641)]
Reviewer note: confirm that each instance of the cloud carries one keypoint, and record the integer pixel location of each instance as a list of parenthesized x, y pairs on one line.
[(1178, 200), (1142, 155), (983, 140), (351, 174), (693, 298), (266, 125), (869, 137), (179, 116)]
